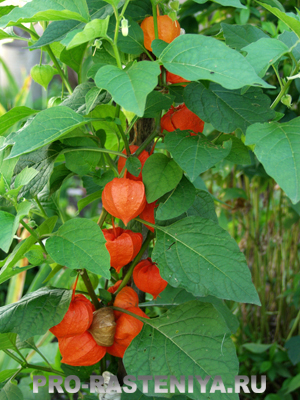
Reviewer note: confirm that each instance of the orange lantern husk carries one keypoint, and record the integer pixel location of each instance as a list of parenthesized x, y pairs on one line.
[(122, 245), (173, 78), (125, 299), (80, 350), (142, 157), (148, 215), (183, 119), (147, 278), (168, 30), (77, 319), (124, 198), (127, 329)]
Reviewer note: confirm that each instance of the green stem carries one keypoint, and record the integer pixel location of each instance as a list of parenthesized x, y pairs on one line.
[(39, 367), (154, 12), (11, 355), (95, 149), (117, 115), (149, 139), (111, 163), (34, 235), (90, 288), (102, 217), (124, 9), (16, 373), (134, 120), (127, 277), (284, 88), (41, 207)]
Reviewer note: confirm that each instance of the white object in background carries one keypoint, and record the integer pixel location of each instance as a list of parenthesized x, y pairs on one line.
[(109, 396), (19, 3)]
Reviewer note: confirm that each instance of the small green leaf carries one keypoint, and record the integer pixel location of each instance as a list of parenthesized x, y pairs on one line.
[(25, 176), (92, 30), (225, 3), (210, 59), (82, 203), (195, 154), (92, 99), (133, 165), (178, 201), (156, 102), (277, 148), (8, 227), (35, 313), (13, 116), (78, 244), (42, 74), (129, 88), (160, 175)]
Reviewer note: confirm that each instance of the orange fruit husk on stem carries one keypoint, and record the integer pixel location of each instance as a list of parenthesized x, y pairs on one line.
[(147, 278), (172, 78), (125, 299), (80, 350), (181, 118), (123, 245), (142, 157), (148, 214), (124, 198), (168, 30), (127, 329), (115, 287)]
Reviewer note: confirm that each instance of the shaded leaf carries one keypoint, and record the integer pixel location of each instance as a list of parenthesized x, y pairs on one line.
[(239, 36), (13, 116), (156, 102)]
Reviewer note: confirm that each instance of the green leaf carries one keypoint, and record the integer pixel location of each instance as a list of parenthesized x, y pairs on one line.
[(133, 43), (226, 109), (137, 395), (195, 154), (291, 22), (39, 10), (293, 349), (133, 165), (43, 74), (172, 297), (178, 201), (94, 29), (239, 36), (7, 271), (197, 57), (263, 53), (76, 101), (156, 102), (129, 88), (42, 160), (239, 153), (8, 341), (35, 313), (138, 10), (173, 336), (257, 348), (225, 3), (13, 116), (290, 39), (10, 391), (208, 261), (277, 148), (8, 229), (82, 203), (25, 385), (35, 255), (92, 99), (160, 175), (203, 206), (74, 57), (25, 176), (4, 375), (39, 133), (112, 2), (81, 161), (58, 30), (78, 244)]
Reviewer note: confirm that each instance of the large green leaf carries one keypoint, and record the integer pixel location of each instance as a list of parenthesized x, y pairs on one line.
[(178, 201), (277, 146), (172, 297), (225, 3), (291, 22), (8, 271), (13, 116), (80, 243), (160, 175), (195, 154), (226, 109), (40, 133), (189, 340), (197, 57), (198, 255), (11, 391), (263, 53), (203, 206), (52, 10), (94, 29), (35, 313), (129, 88), (239, 36)]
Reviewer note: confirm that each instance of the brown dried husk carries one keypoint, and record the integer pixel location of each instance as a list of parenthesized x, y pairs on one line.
[(103, 327)]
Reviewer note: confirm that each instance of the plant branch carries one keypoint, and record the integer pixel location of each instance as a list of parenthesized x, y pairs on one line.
[(102, 217), (95, 149), (284, 88), (90, 288), (32, 232), (11, 355), (127, 277), (39, 367), (40, 207), (149, 139)]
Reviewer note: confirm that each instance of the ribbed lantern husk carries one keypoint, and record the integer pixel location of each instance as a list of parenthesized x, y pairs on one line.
[(103, 327)]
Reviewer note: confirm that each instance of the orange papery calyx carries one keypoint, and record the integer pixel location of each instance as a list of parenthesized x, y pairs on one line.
[(128, 327), (77, 319), (124, 198), (148, 215), (80, 350), (123, 245), (173, 78), (142, 157), (147, 278), (126, 298), (183, 119)]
